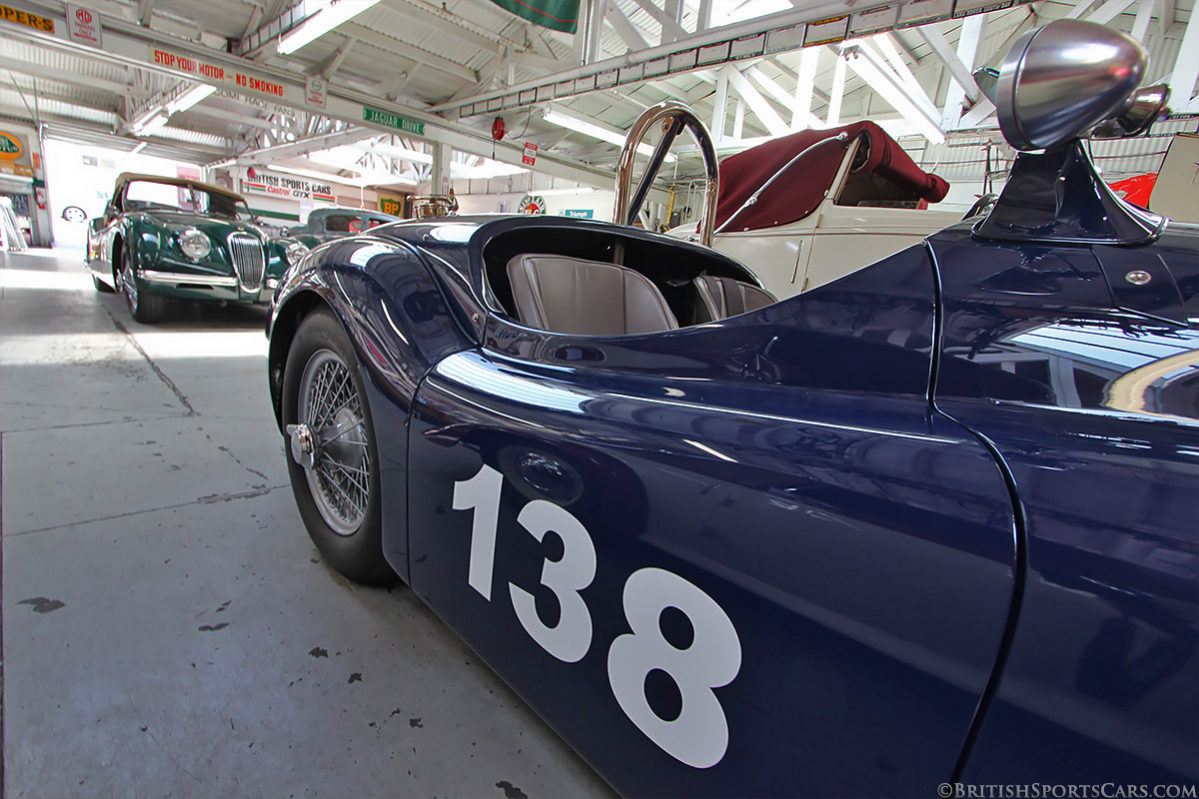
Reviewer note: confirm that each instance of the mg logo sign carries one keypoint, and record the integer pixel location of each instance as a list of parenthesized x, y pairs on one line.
[(84, 16)]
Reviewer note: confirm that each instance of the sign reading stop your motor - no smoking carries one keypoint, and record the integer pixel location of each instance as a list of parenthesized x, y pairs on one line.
[(83, 25)]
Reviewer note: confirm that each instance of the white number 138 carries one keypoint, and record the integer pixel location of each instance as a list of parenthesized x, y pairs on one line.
[(699, 735)]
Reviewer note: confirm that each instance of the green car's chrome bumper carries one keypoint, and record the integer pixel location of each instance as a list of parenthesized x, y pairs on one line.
[(198, 286)]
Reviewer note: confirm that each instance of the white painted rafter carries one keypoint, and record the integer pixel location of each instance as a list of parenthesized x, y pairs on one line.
[(837, 95), (629, 33), (1109, 11), (781, 96), (1140, 26), (1186, 68), (916, 108), (762, 109)]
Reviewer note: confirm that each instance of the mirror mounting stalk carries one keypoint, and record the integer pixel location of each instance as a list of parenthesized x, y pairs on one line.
[(1058, 197)]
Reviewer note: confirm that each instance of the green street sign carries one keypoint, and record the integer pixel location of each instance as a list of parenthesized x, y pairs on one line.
[(390, 120)]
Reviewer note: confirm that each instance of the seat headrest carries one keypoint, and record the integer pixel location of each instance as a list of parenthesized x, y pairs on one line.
[(574, 295), (722, 297)]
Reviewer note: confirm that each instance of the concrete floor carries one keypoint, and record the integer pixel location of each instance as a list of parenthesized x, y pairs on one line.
[(168, 629)]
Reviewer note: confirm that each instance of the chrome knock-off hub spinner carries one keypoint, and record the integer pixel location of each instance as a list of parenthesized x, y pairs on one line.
[(304, 450)]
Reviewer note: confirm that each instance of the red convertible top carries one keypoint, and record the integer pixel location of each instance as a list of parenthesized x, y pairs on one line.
[(800, 189)]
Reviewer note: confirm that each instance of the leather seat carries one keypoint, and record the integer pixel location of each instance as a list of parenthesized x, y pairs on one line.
[(574, 295), (722, 297)]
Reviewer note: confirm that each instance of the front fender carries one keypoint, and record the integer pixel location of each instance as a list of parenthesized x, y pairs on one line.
[(389, 303), (143, 239)]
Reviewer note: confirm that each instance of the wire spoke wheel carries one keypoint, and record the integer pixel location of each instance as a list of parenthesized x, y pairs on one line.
[(339, 476), (129, 286)]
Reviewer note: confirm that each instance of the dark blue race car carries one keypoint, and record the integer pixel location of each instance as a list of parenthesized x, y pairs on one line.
[(937, 521)]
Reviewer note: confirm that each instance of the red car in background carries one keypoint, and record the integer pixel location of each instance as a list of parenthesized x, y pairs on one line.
[(1136, 189)]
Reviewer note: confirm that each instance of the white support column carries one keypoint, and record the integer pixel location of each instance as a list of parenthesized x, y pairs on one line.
[(739, 120), (1166, 18), (441, 169), (595, 30), (705, 16), (579, 42), (809, 63), (971, 33), (1186, 68), (838, 92), (674, 10), (720, 105), (1141, 25), (1109, 11)]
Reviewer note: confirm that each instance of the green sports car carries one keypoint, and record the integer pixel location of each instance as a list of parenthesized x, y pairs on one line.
[(166, 238)]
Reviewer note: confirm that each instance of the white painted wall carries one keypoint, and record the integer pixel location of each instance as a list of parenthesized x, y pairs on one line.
[(83, 175)]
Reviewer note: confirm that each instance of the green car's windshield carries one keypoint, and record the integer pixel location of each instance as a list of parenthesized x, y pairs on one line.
[(146, 195)]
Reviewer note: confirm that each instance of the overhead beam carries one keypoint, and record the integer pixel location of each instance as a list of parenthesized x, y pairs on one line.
[(334, 62), (911, 91), (671, 29), (1186, 67), (625, 29), (802, 115), (1109, 11), (765, 113), (145, 9), (392, 45), (957, 93), (748, 40), (1140, 26), (62, 75), (958, 69), (833, 117), (720, 107), (444, 21), (784, 98), (891, 88), (127, 43)]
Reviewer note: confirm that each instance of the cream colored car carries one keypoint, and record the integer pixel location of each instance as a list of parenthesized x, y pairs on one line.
[(809, 208)]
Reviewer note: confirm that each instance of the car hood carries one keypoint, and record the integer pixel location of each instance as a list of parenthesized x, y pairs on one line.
[(216, 227)]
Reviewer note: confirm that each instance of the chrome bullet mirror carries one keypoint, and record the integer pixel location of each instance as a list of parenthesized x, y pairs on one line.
[(1062, 79)]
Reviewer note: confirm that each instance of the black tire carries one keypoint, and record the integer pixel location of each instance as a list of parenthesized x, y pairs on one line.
[(143, 307), (356, 552), (101, 286)]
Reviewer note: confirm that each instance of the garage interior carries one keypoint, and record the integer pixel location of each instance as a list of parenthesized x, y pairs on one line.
[(168, 627)]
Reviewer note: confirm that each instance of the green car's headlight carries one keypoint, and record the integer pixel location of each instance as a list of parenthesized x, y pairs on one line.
[(295, 251), (195, 244)]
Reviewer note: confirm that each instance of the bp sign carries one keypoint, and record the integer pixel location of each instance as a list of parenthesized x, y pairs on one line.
[(10, 146)]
